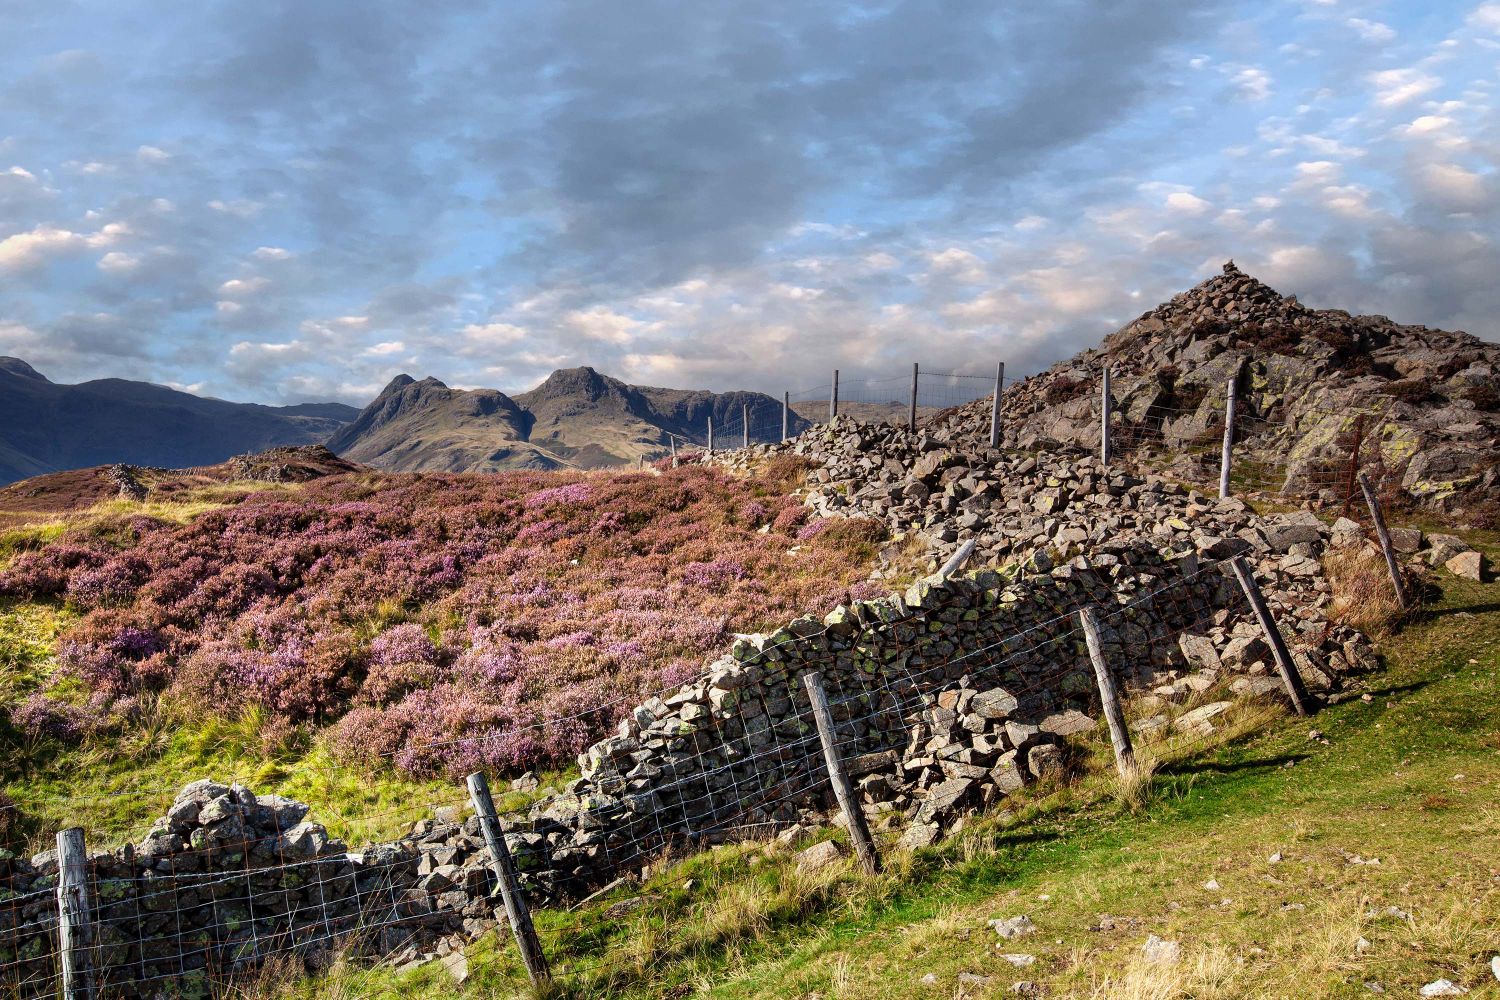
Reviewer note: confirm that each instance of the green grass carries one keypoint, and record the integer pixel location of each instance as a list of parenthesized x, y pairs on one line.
[(1411, 777)]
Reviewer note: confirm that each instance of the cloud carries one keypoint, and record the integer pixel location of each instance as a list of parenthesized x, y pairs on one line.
[(1394, 87), (1187, 203), (271, 253), (38, 245)]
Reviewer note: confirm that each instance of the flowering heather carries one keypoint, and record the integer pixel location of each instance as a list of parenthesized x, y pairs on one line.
[(437, 622)]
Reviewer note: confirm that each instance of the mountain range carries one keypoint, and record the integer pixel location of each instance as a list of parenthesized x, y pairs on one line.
[(577, 418), (48, 427)]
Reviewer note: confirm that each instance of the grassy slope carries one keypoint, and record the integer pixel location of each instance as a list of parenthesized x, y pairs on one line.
[(1411, 777)]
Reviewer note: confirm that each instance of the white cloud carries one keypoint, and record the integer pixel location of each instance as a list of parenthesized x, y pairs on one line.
[(385, 348), (243, 286), (1371, 31), (1485, 17), (1400, 86), (493, 334), (241, 207), (1187, 203), (117, 262), (270, 253), (1253, 83), (958, 264), (1453, 187), (228, 309), (20, 173), (35, 246), (152, 154), (1031, 223)]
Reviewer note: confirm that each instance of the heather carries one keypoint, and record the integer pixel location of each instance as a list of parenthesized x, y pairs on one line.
[(438, 623)]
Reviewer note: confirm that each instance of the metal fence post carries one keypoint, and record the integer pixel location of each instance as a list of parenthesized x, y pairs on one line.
[(833, 396), (843, 790), (1105, 405), (912, 420), (995, 406), (786, 414), (745, 418), (74, 915), (710, 435), (505, 873), (1226, 460)]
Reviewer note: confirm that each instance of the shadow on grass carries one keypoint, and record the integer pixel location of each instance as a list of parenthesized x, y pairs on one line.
[(1470, 609), (1186, 768)]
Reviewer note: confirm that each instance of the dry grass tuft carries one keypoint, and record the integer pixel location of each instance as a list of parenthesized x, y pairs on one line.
[(1133, 785), (1362, 595), (1210, 974)]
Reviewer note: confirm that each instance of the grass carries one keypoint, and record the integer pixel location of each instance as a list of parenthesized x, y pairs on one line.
[(1257, 855)]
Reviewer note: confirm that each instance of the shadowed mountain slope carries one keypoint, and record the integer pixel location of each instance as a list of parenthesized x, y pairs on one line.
[(47, 427)]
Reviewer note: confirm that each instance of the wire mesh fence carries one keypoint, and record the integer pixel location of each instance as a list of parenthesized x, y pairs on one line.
[(970, 691)]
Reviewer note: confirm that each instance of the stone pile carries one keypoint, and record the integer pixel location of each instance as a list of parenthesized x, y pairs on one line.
[(127, 483), (227, 878), (1303, 374)]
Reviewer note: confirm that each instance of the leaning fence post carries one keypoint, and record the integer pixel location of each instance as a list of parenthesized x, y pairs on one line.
[(505, 873), (1225, 459), (956, 561), (854, 816), (745, 418), (1109, 698), (911, 422), (1285, 665), (1385, 542), (786, 413), (710, 435), (995, 406), (74, 910), (833, 396), (1105, 404)]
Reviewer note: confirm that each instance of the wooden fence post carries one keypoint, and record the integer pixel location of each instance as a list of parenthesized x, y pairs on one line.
[(911, 422), (1285, 665), (74, 916), (995, 406), (710, 435), (786, 414), (1226, 460), (1109, 698), (956, 561), (854, 816), (505, 873), (833, 396), (1385, 542), (1105, 406), (745, 418)]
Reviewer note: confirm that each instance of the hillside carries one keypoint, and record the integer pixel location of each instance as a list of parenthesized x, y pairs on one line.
[(1427, 401), (577, 418), (48, 427)]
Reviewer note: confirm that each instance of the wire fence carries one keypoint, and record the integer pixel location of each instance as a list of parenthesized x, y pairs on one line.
[(223, 891)]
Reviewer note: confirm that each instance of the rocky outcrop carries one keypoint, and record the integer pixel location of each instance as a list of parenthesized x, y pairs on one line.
[(1431, 398)]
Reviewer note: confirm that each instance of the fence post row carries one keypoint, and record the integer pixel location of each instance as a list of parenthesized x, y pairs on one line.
[(995, 406), (911, 422), (843, 790), (1105, 403), (1226, 459), (1109, 697), (516, 911), (833, 396), (74, 914), (1285, 665), (786, 412), (1402, 598)]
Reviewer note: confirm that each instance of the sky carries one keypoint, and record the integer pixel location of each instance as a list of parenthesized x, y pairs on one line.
[(280, 201)]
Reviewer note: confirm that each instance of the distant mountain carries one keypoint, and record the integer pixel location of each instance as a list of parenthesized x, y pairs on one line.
[(577, 418), (48, 427)]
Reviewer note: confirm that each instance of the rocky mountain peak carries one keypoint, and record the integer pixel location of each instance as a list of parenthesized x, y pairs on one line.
[(582, 381), (397, 384)]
